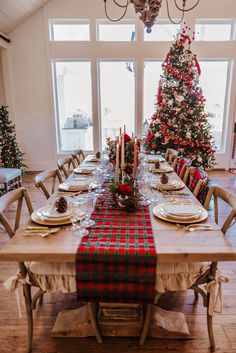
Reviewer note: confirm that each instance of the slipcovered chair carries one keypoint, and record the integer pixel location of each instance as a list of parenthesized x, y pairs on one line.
[(53, 175), (78, 156), (66, 166), (183, 276), (10, 179), (170, 154), (47, 277)]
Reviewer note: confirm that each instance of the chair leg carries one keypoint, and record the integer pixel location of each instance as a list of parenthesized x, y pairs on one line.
[(38, 295), (210, 332), (92, 315), (29, 312), (196, 295), (146, 325)]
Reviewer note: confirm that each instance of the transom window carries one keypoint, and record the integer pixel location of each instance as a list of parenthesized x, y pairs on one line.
[(213, 31), (116, 32), (69, 30)]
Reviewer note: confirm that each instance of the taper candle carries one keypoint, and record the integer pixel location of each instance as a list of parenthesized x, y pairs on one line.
[(117, 160), (135, 157), (122, 152)]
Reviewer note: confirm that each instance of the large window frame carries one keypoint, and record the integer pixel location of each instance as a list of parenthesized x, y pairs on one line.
[(140, 51)]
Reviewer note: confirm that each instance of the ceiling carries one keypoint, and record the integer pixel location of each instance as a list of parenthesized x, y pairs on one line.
[(13, 12)]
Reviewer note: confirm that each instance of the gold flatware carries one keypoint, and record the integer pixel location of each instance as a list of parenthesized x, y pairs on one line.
[(43, 234)]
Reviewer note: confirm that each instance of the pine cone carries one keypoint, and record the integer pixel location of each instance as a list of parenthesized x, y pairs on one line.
[(132, 203), (61, 205), (164, 178), (98, 155), (157, 165)]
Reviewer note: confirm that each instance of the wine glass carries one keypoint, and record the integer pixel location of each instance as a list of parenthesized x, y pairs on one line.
[(76, 207), (98, 179), (144, 190), (89, 208)]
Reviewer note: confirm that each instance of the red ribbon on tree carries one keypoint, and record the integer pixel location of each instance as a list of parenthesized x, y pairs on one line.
[(198, 66)]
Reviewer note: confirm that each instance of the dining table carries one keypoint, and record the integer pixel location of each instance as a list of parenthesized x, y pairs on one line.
[(173, 243)]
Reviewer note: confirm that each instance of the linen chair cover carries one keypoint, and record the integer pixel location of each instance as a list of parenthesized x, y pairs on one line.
[(170, 154), (78, 157), (53, 175), (66, 166)]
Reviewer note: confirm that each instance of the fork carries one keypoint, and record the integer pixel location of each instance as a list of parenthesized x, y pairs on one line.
[(193, 227)]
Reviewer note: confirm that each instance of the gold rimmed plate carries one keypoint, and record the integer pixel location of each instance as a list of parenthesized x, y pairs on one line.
[(158, 212), (171, 185), (74, 186), (163, 170)]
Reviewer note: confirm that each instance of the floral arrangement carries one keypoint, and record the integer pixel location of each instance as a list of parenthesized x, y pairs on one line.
[(125, 195)]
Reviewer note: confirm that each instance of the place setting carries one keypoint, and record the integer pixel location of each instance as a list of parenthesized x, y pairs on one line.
[(166, 183)]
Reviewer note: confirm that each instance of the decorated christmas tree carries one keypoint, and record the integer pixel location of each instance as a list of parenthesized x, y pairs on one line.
[(180, 121), (11, 156)]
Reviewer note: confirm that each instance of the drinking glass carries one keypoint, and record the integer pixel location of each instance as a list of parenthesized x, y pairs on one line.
[(144, 190), (89, 208), (98, 179), (76, 207)]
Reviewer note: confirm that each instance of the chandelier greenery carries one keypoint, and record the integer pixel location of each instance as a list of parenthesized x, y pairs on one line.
[(149, 10)]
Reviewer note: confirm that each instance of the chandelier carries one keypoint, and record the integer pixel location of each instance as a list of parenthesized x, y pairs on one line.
[(149, 10)]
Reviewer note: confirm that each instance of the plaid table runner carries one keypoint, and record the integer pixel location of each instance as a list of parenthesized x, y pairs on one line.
[(117, 261)]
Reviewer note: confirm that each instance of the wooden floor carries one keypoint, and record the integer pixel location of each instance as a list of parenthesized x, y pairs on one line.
[(13, 329)]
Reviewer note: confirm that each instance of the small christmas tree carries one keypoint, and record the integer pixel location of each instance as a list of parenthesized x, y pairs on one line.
[(180, 121), (11, 156)]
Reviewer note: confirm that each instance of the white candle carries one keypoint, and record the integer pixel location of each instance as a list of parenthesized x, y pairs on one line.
[(117, 160), (135, 157), (124, 129), (122, 152)]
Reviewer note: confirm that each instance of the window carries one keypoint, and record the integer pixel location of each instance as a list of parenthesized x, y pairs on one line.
[(119, 32), (73, 96), (213, 81), (117, 97), (161, 32), (213, 31), (152, 72), (69, 30)]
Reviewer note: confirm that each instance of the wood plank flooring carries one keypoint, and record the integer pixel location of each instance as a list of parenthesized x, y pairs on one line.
[(13, 330)]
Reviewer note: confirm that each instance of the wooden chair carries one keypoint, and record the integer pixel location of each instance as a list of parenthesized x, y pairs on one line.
[(38, 274), (180, 166), (66, 166), (53, 175), (78, 157), (209, 277), (196, 179), (170, 154)]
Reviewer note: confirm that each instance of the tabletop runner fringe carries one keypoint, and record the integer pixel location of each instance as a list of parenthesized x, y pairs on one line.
[(117, 261)]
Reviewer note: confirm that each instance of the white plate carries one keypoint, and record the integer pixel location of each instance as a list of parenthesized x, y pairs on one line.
[(157, 211), (38, 218), (84, 171), (51, 212), (171, 185), (183, 210), (153, 159), (73, 185), (163, 170)]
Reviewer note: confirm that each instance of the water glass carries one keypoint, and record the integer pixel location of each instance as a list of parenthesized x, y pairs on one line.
[(76, 207), (89, 208)]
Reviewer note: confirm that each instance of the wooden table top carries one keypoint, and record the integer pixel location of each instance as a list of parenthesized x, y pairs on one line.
[(172, 244)]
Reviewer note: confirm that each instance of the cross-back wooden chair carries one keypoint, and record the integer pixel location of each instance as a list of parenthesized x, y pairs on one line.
[(170, 154), (66, 166), (47, 277), (53, 175), (78, 156), (180, 165), (203, 275), (196, 179)]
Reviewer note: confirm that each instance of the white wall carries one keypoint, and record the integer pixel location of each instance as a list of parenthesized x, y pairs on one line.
[(27, 70), (2, 93)]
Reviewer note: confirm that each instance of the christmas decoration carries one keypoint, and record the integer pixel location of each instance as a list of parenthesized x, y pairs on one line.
[(157, 165), (164, 178), (98, 155), (180, 121), (125, 195), (11, 156), (61, 205)]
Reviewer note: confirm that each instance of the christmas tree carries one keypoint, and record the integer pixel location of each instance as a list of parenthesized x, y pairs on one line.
[(180, 121), (11, 156)]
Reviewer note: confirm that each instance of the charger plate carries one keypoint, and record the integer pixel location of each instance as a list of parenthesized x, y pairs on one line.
[(174, 185), (153, 159), (71, 185), (158, 212), (38, 218)]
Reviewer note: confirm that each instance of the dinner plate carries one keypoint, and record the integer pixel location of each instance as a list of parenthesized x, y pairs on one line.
[(153, 159), (74, 185), (163, 170), (158, 212), (51, 212), (38, 218), (183, 210), (172, 185), (83, 171)]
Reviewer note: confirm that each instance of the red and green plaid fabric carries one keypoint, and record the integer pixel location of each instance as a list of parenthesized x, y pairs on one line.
[(182, 162), (199, 174), (117, 261)]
